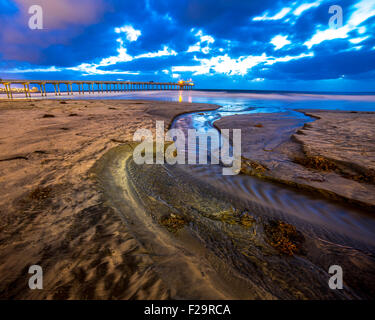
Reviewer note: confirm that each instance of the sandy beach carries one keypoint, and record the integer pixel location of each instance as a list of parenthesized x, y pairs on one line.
[(51, 212), (102, 228), (332, 156), (187, 157)]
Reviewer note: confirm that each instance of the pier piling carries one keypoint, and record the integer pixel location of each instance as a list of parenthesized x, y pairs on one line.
[(110, 86)]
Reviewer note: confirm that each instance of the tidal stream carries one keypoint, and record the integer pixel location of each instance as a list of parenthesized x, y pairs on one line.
[(223, 248)]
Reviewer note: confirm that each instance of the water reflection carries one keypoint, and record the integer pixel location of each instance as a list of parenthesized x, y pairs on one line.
[(277, 102), (182, 97), (342, 219), (203, 121)]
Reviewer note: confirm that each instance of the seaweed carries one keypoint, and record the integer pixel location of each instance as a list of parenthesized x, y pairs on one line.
[(253, 168), (317, 162), (40, 193), (173, 222), (244, 218), (284, 237)]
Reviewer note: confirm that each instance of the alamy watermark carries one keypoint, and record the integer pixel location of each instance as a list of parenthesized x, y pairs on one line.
[(336, 281), (173, 147), (36, 280), (336, 20), (36, 19)]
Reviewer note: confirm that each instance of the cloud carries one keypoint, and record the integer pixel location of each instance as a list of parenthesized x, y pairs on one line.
[(358, 40), (222, 64), (89, 69), (327, 34), (277, 16), (273, 60), (59, 14), (31, 70), (204, 38), (258, 80), (363, 10), (280, 41), (63, 20), (123, 56), (306, 6), (197, 47), (227, 65), (96, 68), (131, 33), (161, 53), (212, 39)]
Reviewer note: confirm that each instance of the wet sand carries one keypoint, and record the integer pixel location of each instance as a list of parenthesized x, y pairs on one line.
[(208, 242), (51, 211), (102, 227), (333, 156)]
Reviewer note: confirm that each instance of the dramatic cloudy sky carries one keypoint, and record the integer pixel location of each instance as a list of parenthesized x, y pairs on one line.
[(262, 44)]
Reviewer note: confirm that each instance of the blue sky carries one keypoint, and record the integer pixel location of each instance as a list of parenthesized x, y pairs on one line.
[(270, 45)]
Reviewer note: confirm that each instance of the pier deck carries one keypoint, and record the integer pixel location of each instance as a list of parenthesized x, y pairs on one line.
[(61, 86)]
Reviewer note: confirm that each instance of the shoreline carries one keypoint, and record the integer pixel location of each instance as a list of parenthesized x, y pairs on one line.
[(282, 151), (52, 212), (267, 95), (234, 257), (56, 214)]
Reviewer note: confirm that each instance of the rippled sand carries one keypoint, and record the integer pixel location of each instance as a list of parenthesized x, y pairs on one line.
[(50, 211), (102, 227), (333, 155)]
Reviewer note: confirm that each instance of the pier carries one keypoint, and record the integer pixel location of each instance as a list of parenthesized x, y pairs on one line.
[(90, 87)]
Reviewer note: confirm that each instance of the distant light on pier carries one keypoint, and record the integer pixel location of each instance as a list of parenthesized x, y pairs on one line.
[(91, 86)]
